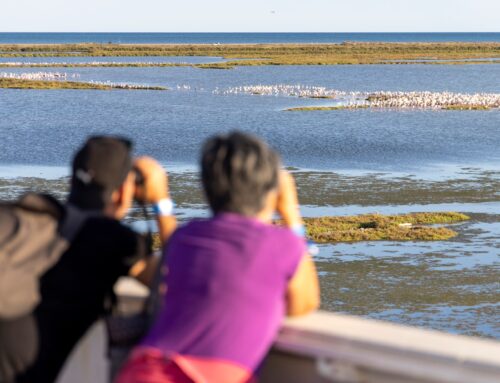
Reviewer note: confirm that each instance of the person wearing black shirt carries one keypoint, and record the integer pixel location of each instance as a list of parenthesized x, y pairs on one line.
[(74, 291)]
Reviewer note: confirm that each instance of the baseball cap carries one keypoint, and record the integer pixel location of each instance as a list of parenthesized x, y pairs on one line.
[(103, 161)]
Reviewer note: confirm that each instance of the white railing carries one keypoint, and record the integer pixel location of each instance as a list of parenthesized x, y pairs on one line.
[(327, 347)]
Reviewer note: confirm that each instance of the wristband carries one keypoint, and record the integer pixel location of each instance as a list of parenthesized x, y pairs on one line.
[(299, 230), (164, 207)]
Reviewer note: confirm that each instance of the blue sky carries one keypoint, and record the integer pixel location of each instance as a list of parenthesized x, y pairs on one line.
[(249, 16)]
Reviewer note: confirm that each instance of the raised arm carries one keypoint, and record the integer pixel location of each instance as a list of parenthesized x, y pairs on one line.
[(154, 191), (303, 293)]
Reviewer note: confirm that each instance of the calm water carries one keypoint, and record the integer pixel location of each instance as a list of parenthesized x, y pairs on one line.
[(238, 38), (44, 126), (364, 161)]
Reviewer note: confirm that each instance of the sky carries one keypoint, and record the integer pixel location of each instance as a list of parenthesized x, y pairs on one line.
[(249, 16)]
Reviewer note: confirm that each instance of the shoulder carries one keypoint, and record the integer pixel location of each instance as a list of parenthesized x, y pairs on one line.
[(107, 234), (285, 234), (194, 226), (291, 249), (104, 226)]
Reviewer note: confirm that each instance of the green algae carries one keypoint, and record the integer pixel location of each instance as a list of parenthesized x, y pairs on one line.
[(377, 227)]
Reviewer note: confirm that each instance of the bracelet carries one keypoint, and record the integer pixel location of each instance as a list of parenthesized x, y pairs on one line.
[(164, 207)]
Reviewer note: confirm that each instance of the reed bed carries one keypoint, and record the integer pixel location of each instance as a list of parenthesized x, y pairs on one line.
[(276, 54)]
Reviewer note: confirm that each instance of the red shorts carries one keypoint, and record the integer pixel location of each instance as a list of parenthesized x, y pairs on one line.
[(150, 365)]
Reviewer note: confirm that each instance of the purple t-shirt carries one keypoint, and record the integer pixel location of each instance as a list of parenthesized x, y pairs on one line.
[(226, 289)]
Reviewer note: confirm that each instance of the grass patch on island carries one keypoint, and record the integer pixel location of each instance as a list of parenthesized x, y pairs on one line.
[(10, 83), (378, 227)]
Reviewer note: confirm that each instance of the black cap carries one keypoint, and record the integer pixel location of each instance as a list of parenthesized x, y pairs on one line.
[(103, 161)]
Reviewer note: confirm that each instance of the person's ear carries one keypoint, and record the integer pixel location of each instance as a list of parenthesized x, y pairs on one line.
[(122, 198), (117, 196)]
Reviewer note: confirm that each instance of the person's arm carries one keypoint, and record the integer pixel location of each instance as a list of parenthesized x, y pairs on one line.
[(303, 293), (144, 270), (154, 191)]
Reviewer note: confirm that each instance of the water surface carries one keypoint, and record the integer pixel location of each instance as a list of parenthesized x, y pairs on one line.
[(345, 162), (44, 126), (239, 38)]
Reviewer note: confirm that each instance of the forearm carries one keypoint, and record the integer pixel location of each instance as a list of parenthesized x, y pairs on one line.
[(166, 226), (145, 269), (303, 295)]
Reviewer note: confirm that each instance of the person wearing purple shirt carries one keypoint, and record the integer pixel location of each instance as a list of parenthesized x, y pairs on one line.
[(231, 277)]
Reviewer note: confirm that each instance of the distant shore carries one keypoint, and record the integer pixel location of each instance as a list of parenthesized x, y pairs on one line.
[(347, 53)]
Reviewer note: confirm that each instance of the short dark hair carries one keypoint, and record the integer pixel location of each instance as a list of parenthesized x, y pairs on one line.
[(100, 167), (238, 171)]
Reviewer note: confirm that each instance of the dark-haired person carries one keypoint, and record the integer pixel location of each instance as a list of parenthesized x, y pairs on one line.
[(74, 290), (231, 277)]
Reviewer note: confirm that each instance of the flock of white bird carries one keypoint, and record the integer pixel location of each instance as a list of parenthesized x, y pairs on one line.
[(432, 100), (382, 99), (119, 85), (62, 76), (282, 90), (43, 76)]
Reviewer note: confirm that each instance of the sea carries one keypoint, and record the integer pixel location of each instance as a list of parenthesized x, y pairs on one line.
[(241, 38), (345, 162)]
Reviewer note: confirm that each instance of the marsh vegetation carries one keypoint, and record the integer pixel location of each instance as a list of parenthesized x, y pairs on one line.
[(276, 54), (376, 227)]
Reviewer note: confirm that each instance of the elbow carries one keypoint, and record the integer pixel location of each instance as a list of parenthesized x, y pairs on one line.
[(303, 308)]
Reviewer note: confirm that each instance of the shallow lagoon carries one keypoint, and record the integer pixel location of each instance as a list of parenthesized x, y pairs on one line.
[(363, 161), (171, 125)]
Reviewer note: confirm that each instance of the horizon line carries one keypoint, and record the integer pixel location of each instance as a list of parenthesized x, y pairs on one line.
[(247, 32)]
